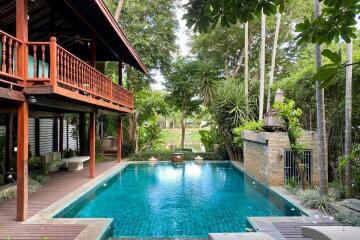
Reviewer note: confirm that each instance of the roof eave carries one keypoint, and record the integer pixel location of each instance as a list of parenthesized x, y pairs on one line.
[(122, 36)]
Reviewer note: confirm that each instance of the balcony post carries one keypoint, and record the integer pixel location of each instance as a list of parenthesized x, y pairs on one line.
[(119, 139), (23, 114), (53, 67), (22, 162), (92, 139), (93, 51)]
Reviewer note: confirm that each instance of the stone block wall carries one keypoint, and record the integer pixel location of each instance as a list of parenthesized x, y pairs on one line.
[(264, 158)]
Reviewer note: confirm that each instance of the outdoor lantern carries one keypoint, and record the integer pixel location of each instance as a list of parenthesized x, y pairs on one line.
[(32, 99), (271, 120)]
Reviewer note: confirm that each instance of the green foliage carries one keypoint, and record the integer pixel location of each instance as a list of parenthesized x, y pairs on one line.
[(313, 199), (290, 117), (355, 158), (338, 20), (292, 183), (166, 155), (150, 136), (348, 218), (180, 82), (201, 15), (249, 125), (209, 138)]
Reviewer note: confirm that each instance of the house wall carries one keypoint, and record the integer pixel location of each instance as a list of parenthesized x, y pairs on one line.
[(263, 158)]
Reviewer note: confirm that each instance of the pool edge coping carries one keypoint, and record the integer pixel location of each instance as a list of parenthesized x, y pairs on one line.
[(95, 228)]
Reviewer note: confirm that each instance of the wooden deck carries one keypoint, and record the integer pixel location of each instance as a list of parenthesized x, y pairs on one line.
[(59, 185), (289, 228)]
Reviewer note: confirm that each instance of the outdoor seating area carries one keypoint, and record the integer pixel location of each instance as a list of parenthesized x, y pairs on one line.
[(75, 163)]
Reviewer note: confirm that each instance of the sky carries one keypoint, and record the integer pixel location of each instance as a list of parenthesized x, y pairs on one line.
[(183, 39)]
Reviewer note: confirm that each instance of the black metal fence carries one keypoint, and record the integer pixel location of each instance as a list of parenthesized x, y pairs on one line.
[(290, 171)]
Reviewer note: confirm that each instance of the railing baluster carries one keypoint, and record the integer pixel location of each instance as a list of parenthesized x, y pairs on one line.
[(3, 67), (43, 60), (15, 58), (10, 56), (35, 61)]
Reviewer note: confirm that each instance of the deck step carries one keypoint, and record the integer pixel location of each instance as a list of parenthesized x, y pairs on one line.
[(240, 236)]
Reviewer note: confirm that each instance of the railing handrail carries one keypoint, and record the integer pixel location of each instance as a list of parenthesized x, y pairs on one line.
[(8, 35)]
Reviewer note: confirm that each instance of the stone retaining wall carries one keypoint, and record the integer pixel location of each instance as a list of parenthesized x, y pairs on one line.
[(264, 158)]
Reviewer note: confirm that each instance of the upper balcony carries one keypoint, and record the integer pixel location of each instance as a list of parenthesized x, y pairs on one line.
[(52, 70)]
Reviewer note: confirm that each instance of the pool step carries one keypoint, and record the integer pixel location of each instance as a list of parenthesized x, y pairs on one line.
[(240, 236)]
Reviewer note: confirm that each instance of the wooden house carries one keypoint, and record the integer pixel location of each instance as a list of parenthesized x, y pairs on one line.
[(49, 66)]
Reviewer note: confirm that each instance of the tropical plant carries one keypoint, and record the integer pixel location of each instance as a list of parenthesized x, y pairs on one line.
[(209, 138), (230, 111), (290, 116), (201, 15), (314, 199), (181, 85), (249, 125)]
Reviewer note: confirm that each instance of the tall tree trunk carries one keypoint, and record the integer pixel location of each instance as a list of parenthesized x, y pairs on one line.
[(182, 131), (273, 59), (262, 65), (246, 66), (118, 9), (300, 171), (320, 118), (348, 122)]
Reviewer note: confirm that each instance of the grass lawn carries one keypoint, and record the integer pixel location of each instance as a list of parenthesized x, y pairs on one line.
[(173, 136)]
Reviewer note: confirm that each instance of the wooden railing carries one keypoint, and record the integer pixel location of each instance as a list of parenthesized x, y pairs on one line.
[(50, 64), (38, 61), (9, 57)]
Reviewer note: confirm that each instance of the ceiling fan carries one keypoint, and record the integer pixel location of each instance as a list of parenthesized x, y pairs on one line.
[(76, 39)]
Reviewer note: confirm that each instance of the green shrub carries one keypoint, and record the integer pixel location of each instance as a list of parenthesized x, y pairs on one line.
[(313, 199), (166, 155), (251, 126), (127, 149), (348, 218), (209, 138), (337, 190)]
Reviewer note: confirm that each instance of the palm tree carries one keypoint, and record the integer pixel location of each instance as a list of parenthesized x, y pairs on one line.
[(273, 58), (320, 117), (246, 65), (348, 124), (262, 65)]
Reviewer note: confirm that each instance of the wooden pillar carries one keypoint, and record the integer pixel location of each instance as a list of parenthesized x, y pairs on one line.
[(23, 114), (119, 139), (120, 80), (61, 134), (93, 51), (22, 162), (9, 141), (92, 139)]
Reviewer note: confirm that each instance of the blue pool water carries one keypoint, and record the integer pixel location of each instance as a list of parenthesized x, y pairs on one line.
[(179, 200)]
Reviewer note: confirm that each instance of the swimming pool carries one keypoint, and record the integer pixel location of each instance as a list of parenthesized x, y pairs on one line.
[(179, 200)]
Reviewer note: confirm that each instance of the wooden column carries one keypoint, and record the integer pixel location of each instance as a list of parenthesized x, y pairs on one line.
[(23, 114), (92, 139), (120, 80), (22, 162), (93, 51), (119, 139), (55, 135)]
